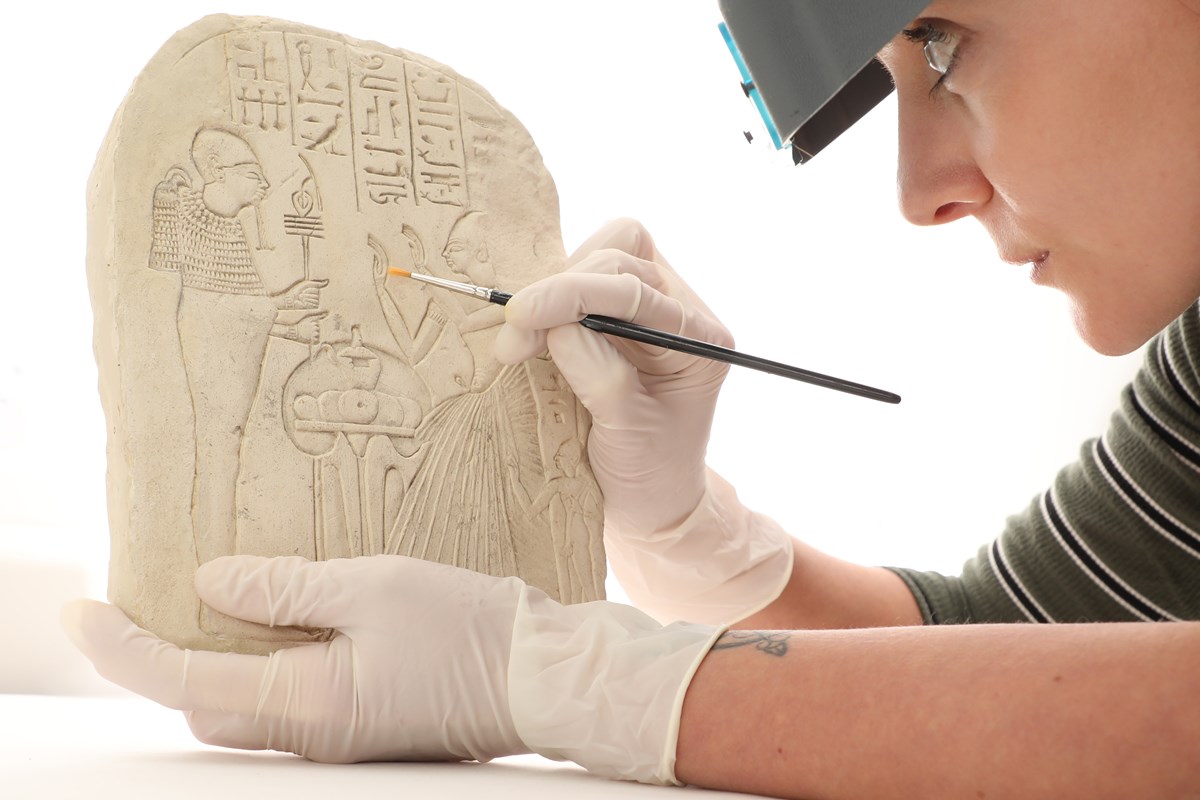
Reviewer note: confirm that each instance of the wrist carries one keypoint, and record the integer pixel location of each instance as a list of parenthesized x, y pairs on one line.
[(602, 684), (723, 562)]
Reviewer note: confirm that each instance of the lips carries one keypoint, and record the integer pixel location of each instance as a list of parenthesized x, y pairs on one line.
[(1034, 258), (1037, 268)]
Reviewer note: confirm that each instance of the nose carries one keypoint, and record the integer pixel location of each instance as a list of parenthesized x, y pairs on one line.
[(937, 178)]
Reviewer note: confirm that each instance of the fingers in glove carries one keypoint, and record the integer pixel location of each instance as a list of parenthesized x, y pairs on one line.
[(602, 378), (325, 740), (624, 293), (697, 321), (236, 731), (619, 273), (630, 236), (627, 235), (615, 284), (564, 299), (283, 591), (526, 337), (515, 344), (141, 662)]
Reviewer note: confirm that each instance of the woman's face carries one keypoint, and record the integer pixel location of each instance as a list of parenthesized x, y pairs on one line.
[(1071, 130)]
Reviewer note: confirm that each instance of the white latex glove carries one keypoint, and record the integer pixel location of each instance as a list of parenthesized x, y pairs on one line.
[(430, 662), (679, 541)]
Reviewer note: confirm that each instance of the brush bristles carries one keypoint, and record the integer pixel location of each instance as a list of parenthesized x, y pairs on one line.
[(403, 273)]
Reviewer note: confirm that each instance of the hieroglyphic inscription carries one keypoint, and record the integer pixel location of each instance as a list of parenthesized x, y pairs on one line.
[(441, 174), (383, 138), (401, 122), (320, 96), (258, 85)]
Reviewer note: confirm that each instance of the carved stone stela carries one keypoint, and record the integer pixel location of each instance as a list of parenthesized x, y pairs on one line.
[(269, 388)]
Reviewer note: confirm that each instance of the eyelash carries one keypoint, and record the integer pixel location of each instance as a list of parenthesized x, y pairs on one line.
[(925, 34)]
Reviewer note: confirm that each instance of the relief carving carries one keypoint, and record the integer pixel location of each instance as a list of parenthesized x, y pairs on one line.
[(269, 388)]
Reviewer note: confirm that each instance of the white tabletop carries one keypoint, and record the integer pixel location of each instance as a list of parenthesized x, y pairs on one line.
[(129, 748)]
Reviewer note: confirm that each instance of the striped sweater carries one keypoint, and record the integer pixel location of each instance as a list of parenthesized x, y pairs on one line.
[(1117, 536)]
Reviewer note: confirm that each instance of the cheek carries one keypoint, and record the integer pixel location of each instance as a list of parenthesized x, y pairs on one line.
[(1082, 174), (1095, 159)]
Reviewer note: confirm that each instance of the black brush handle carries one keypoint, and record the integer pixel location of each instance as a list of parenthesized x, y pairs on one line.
[(695, 347)]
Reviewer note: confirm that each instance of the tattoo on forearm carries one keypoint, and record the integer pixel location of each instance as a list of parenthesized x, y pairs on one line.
[(773, 643)]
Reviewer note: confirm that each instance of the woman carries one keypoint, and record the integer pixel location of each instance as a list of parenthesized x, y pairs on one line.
[(1069, 131)]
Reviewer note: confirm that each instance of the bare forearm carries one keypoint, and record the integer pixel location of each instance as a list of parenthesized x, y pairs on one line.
[(825, 592), (1102, 710)]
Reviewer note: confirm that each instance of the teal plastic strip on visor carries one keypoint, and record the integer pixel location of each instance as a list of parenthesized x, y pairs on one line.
[(749, 88)]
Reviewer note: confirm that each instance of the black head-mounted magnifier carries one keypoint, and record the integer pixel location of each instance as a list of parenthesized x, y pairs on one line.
[(809, 66)]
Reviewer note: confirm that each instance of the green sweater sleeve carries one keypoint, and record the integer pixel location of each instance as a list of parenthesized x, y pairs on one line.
[(1117, 536)]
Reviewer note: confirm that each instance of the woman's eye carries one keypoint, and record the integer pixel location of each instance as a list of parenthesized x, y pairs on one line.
[(940, 47), (940, 52)]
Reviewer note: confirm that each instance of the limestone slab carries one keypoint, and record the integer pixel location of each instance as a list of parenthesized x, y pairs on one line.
[(268, 388)]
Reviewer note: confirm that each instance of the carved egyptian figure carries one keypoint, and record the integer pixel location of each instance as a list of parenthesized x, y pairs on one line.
[(225, 315), (459, 507), (570, 499)]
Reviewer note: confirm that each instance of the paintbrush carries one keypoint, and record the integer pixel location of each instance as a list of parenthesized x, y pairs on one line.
[(670, 341)]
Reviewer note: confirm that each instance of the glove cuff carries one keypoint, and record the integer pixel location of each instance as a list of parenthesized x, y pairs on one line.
[(602, 684), (721, 564)]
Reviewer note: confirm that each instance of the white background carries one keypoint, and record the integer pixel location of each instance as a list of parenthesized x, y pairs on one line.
[(636, 108)]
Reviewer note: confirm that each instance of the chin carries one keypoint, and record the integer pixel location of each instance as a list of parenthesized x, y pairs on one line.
[(1112, 334)]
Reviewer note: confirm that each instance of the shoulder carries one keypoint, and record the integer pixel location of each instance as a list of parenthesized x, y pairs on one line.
[(1173, 358)]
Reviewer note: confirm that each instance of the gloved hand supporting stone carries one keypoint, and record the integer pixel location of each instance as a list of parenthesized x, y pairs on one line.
[(429, 662)]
